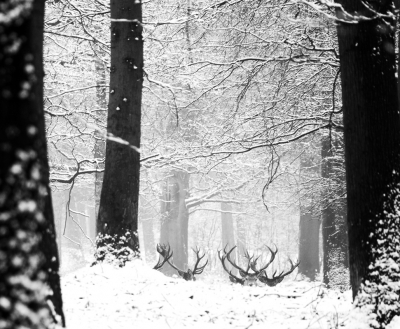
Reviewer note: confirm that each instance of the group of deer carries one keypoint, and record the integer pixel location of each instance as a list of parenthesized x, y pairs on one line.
[(248, 276)]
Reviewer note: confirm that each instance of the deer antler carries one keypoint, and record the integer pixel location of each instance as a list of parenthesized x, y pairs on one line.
[(165, 252), (251, 263), (201, 268), (247, 277), (243, 273), (189, 274), (232, 277), (277, 279), (263, 268), (257, 273)]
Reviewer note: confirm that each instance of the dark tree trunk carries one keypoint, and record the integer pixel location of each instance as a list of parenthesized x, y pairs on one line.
[(48, 243), (334, 225), (25, 206), (118, 212), (175, 219), (372, 148)]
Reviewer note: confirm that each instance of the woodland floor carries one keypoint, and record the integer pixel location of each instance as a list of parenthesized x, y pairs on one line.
[(138, 297)]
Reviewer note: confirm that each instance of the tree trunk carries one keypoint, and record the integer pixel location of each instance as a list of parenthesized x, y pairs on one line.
[(308, 228), (334, 226), (72, 233), (149, 241), (227, 232), (101, 117), (118, 212), (175, 219), (59, 215), (241, 239), (309, 244), (146, 217), (91, 221), (25, 206), (372, 147)]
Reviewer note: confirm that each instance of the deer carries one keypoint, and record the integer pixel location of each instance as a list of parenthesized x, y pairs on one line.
[(260, 274), (189, 275)]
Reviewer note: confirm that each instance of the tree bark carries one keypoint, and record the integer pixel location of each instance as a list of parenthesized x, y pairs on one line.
[(118, 211), (175, 219), (334, 226), (372, 148), (59, 218), (28, 245)]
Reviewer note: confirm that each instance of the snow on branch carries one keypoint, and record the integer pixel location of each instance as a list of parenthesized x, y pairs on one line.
[(219, 210), (75, 90), (297, 59)]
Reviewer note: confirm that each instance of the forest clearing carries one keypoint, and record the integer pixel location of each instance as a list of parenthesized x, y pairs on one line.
[(104, 296)]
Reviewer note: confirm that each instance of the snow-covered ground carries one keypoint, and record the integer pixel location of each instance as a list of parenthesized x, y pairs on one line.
[(138, 297)]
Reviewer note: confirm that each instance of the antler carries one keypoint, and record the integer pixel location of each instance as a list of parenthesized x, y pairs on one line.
[(247, 277), (251, 278), (254, 263), (277, 279), (165, 252), (251, 263), (243, 273), (232, 277), (201, 268), (257, 273), (187, 275)]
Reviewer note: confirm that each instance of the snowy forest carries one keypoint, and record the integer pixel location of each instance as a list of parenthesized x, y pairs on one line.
[(199, 164)]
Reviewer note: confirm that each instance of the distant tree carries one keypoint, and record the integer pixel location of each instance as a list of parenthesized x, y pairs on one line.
[(118, 211), (333, 214), (147, 215), (309, 224), (242, 241), (28, 249), (372, 149), (227, 232), (175, 220)]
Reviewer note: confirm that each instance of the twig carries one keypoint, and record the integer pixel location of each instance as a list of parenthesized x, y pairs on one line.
[(282, 295)]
